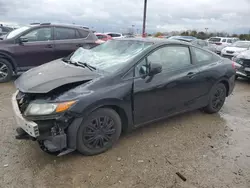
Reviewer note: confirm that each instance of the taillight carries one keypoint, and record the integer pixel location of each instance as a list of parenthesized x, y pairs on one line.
[(233, 65), (218, 43)]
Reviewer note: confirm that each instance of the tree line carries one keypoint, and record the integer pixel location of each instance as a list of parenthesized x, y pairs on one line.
[(206, 35)]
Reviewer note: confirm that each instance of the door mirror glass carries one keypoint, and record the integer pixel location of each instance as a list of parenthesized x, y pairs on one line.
[(143, 70), (154, 68), (23, 39)]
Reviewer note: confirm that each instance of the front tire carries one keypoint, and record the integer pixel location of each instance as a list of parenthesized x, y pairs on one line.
[(99, 131), (6, 71), (217, 98)]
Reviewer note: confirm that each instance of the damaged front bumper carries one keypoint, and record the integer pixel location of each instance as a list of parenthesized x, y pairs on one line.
[(54, 136), (242, 71)]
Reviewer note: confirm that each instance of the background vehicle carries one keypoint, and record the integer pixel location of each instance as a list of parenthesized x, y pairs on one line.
[(184, 38), (235, 49), (196, 42), (4, 30), (115, 35), (203, 44), (115, 87), (243, 61), (33, 45), (102, 36), (221, 42)]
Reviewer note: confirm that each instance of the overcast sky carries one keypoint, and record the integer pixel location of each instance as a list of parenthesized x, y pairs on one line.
[(118, 15)]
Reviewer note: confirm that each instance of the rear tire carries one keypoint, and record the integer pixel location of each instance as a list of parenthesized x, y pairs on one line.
[(217, 98), (6, 71), (99, 131)]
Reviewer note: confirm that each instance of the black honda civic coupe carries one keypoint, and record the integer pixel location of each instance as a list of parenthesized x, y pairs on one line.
[(85, 101)]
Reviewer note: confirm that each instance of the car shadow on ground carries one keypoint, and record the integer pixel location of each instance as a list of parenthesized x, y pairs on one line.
[(172, 123)]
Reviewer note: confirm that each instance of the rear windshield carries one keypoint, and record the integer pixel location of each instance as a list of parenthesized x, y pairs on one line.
[(100, 36), (214, 39)]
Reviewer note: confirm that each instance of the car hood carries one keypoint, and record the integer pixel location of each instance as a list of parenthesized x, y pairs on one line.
[(244, 55), (235, 49), (52, 75)]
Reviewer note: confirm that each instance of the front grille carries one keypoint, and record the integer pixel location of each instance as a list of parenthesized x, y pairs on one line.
[(246, 62), (230, 52)]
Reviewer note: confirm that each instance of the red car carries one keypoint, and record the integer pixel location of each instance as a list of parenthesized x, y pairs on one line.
[(103, 37)]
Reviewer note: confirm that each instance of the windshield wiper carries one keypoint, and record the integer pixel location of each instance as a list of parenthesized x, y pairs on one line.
[(90, 67), (80, 64)]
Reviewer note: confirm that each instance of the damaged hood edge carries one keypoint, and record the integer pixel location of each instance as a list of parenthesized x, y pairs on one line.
[(50, 76)]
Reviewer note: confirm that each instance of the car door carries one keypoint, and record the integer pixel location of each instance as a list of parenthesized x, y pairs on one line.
[(171, 91), (36, 48), (68, 40)]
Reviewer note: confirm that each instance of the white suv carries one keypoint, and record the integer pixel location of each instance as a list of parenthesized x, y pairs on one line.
[(115, 35), (221, 42)]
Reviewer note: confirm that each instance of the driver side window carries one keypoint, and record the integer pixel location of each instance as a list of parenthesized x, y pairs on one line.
[(40, 34)]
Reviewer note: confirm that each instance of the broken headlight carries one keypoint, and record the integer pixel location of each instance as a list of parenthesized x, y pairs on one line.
[(36, 108)]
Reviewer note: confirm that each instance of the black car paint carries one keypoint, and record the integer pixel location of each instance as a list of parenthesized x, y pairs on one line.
[(141, 100), (52, 75)]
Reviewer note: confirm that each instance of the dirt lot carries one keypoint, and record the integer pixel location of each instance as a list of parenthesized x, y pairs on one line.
[(209, 150)]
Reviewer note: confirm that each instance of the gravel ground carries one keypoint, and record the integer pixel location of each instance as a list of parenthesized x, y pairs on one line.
[(208, 150)]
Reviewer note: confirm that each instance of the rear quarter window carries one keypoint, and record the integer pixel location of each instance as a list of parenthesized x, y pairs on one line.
[(84, 33), (203, 57)]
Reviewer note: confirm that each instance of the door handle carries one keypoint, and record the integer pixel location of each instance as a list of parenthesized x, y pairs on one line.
[(49, 46), (79, 45), (191, 74)]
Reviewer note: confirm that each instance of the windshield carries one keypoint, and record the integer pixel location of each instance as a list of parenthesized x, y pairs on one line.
[(111, 55), (17, 32), (241, 44)]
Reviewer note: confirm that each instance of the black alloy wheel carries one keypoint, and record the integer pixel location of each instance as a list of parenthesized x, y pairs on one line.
[(98, 132), (6, 71), (217, 98)]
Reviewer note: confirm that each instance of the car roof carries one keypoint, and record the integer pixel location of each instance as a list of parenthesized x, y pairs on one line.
[(59, 25), (155, 40), (247, 41), (112, 33), (100, 34)]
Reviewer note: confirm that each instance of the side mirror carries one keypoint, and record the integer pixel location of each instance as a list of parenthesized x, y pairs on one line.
[(154, 68), (23, 39)]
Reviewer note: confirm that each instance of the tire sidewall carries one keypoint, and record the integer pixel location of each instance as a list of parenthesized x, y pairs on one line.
[(210, 108), (82, 148), (10, 71)]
